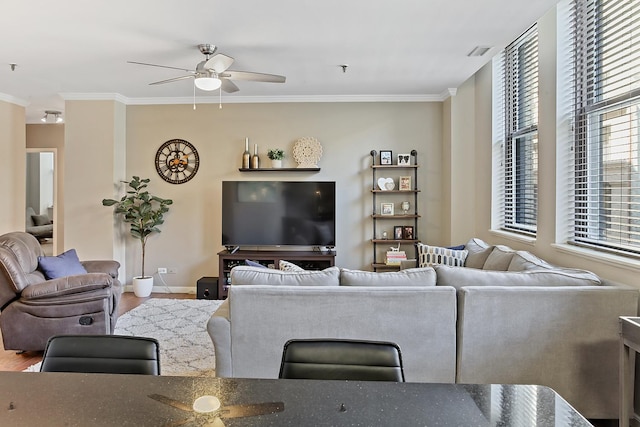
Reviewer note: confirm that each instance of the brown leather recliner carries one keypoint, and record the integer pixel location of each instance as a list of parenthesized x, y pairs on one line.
[(32, 308)]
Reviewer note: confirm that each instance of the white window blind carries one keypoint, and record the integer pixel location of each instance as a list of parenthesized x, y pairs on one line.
[(518, 108), (606, 193)]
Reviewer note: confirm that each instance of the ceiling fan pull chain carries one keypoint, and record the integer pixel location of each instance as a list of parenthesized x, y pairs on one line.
[(220, 92), (194, 97)]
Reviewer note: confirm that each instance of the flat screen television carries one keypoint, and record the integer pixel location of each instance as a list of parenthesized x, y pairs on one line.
[(278, 213)]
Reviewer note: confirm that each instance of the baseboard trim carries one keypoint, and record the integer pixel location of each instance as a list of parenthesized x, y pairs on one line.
[(167, 289)]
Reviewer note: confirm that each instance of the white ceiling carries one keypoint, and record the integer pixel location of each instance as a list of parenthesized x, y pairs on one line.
[(396, 50)]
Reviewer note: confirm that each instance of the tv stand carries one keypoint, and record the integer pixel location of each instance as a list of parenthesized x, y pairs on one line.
[(308, 260)]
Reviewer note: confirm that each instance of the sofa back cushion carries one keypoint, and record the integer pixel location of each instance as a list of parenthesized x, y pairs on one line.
[(460, 277), (499, 258), (422, 321), (409, 277), (245, 275), (478, 251), (523, 260)]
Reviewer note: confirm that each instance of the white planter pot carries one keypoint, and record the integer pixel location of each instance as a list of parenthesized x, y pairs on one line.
[(142, 286), (276, 164)]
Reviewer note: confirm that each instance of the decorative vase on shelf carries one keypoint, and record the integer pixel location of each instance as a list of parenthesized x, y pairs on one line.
[(276, 163), (246, 156), (255, 160)]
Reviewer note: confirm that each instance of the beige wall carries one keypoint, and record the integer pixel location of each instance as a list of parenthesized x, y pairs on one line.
[(93, 137), (191, 235), (12, 174)]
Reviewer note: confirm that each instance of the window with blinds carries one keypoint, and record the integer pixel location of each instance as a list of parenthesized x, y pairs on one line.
[(606, 181), (517, 112)]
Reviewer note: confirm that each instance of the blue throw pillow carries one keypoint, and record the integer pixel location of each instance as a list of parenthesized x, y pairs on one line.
[(456, 248), (253, 263), (65, 264)]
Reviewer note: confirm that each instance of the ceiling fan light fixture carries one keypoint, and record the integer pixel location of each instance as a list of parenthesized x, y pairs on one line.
[(207, 83)]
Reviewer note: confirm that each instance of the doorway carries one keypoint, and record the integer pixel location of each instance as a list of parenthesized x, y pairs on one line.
[(40, 210)]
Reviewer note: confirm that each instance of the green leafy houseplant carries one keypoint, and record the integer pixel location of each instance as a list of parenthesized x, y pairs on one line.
[(275, 154), (140, 209)]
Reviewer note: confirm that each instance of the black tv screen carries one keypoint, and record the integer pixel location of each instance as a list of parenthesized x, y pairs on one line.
[(277, 213)]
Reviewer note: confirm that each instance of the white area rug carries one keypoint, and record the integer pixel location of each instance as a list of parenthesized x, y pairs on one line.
[(180, 326)]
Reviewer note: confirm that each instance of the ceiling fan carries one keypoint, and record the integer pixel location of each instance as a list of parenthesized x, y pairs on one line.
[(214, 73)]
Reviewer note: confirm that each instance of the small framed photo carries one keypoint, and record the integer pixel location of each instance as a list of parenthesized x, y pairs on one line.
[(405, 183), (404, 159), (398, 232), (386, 157), (386, 209), (407, 232)]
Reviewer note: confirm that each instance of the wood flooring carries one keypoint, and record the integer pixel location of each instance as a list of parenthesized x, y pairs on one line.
[(10, 361)]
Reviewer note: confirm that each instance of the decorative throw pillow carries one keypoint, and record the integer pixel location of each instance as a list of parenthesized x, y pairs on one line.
[(65, 264), (40, 220), (289, 266), (254, 264), (432, 255)]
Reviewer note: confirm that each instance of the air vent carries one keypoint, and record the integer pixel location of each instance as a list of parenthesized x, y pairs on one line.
[(479, 50)]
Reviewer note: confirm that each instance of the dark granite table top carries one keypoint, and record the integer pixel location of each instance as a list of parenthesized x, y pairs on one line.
[(66, 399)]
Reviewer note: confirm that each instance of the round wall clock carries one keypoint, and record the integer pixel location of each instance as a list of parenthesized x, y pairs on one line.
[(177, 161)]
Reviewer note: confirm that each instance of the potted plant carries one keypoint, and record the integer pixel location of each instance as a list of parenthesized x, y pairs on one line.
[(145, 213), (276, 155)]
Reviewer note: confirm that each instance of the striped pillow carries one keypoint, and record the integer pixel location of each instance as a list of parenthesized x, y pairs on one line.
[(431, 255)]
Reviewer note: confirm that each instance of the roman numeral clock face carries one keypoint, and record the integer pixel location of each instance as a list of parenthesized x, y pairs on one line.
[(177, 161)]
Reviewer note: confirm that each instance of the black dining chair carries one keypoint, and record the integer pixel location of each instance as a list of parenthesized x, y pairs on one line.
[(109, 354), (339, 359)]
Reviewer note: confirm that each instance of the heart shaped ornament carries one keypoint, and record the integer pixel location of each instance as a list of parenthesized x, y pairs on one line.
[(386, 184)]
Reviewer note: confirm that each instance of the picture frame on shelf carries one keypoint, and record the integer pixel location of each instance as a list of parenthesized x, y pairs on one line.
[(386, 157), (407, 232), (398, 232), (405, 183), (386, 209), (404, 159)]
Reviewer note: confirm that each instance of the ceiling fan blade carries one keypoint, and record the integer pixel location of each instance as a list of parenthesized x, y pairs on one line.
[(160, 66), (219, 63), (175, 79), (229, 86), (255, 77)]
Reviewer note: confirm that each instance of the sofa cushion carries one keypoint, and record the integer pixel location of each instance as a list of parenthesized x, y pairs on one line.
[(289, 266), (523, 260), (459, 277), (65, 264), (40, 220), (478, 253), (409, 277), (499, 258), (254, 263), (245, 275), (431, 255)]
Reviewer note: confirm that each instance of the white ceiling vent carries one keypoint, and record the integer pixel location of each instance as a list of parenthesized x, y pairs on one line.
[(479, 50)]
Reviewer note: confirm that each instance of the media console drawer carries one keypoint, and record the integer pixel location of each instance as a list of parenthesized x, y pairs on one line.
[(309, 260)]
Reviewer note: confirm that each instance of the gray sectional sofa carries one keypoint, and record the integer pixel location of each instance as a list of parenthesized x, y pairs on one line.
[(526, 323)]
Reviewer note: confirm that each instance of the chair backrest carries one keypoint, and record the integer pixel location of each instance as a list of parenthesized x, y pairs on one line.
[(109, 354), (338, 359)]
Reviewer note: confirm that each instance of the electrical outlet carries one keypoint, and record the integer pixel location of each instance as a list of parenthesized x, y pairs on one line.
[(173, 270), (162, 270)]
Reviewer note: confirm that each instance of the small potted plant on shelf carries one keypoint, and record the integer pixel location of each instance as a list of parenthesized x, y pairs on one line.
[(145, 213), (276, 155)]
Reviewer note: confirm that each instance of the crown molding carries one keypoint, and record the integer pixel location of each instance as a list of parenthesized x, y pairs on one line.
[(94, 97), (13, 100), (227, 99)]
